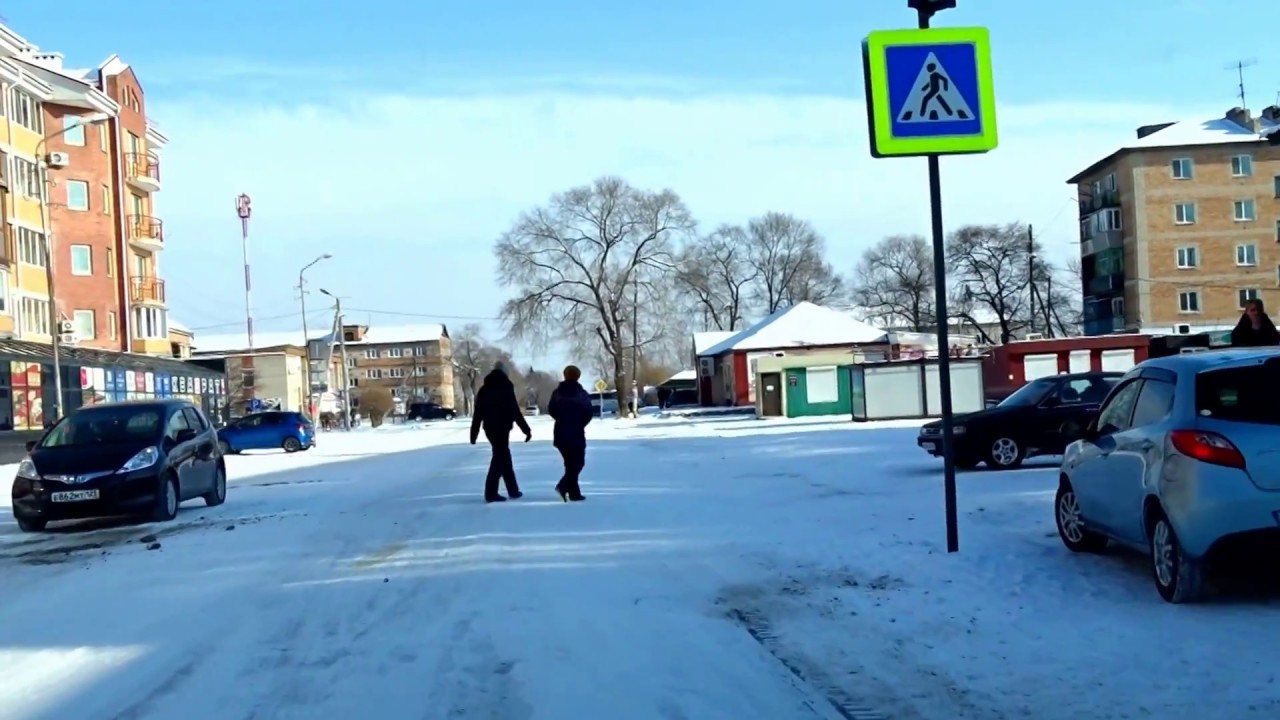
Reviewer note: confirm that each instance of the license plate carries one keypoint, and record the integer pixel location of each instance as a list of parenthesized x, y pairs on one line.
[(74, 496), (929, 446)]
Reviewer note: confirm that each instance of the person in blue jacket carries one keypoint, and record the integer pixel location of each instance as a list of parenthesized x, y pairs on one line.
[(571, 409)]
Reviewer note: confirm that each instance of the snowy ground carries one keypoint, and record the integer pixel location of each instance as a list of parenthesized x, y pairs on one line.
[(727, 568)]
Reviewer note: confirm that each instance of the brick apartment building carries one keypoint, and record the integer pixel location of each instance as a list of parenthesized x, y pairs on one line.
[(1181, 226), (101, 180), (413, 361)]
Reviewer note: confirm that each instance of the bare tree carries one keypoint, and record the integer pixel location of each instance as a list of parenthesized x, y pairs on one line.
[(1059, 299), (990, 268), (893, 282), (717, 273), (790, 257), (578, 264)]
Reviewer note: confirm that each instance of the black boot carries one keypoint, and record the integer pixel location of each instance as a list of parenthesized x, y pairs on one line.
[(515, 494), (562, 492), (495, 498)]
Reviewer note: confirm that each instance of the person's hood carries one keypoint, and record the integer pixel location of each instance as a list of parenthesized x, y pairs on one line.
[(497, 379)]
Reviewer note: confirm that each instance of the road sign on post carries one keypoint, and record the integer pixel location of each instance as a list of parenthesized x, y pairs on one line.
[(929, 92), (601, 386)]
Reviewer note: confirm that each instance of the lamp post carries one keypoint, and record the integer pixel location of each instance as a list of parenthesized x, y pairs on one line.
[(342, 348), (42, 163), (306, 341)]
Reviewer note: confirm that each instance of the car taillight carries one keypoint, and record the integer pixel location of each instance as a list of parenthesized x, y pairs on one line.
[(1208, 447)]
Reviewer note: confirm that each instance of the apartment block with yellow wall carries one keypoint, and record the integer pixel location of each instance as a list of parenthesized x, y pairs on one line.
[(25, 304)]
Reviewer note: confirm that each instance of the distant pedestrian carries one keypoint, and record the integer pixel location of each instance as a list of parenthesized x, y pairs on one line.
[(570, 407), (496, 411), (1255, 329)]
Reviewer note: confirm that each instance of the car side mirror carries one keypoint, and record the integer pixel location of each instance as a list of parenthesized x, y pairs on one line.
[(185, 435), (31, 445)]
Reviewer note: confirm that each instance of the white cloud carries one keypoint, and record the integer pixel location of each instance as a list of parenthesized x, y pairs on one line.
[(409, 192)]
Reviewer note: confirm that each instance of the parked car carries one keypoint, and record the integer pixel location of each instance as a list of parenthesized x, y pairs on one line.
[(1181, 462), (682, 398), (430, 411), (140, 458), (291, 431), (1040, 418)]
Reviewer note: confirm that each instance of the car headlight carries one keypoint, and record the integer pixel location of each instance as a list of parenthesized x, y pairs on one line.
[(27, 469), (144, 459)]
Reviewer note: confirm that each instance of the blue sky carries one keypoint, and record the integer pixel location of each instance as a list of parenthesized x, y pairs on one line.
[(444, 120)]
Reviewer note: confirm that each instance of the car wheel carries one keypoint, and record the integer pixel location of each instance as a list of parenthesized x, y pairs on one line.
[(225, 448), (31, 525), (1071, 528), (291, 445), (1005, 453), (1179, 579), (167, 500), (218, 494), (450, 416)]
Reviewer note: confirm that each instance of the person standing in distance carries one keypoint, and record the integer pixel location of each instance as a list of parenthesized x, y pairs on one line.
[(496, 410), (571, 409)]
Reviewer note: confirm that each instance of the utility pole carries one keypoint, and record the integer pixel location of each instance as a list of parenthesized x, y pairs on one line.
[(244, 211), (635, 349), (1031, 279), (306, 341), (346, 371)]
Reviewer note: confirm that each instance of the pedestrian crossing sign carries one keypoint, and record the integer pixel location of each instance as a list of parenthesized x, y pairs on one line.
[(929, 92)]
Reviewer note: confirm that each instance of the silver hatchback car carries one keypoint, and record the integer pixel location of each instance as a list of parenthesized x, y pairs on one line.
[(1182, 460)]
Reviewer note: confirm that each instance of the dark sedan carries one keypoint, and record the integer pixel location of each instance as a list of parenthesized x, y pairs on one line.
[(141, 458), (1040, 418), (430, 411)]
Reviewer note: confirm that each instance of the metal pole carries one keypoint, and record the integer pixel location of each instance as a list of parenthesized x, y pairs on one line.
[(346, 376), (306, 347), (244, 210), (55, 318), (925, 13), (1031, 278)]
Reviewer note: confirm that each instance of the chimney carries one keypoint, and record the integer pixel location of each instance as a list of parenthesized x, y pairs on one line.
[(1146, 130), (1272, 113), (50, 60), (1243, 118)]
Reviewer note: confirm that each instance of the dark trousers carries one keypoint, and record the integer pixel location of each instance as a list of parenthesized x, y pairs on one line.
[(575, 458), (500, 467)]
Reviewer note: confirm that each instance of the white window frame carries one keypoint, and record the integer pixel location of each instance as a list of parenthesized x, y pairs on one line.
[(86, 254), (1246, 255), (1108, 219), (1244, 210), (1242, 166), (1244, 295), (823, 398), (352, 362), (1184, 213), (1185, 300), (6, 307), (82, 186), (26, 110), (1187, 258), (112, 323), (1176, 165), (395, 352), (34, 316), (30, 246), (73, 131), (26, 178), (420, 370), (85, 320), (396, 372), (103, 142), (419, 350), (373, 373), (370, 354), (150, 323), (1117, 307)]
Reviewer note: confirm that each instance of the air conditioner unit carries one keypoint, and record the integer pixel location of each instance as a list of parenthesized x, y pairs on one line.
[(58, 159), (707, 366), (1034, 336), (68, 338), (66, 326), (1182, 329)]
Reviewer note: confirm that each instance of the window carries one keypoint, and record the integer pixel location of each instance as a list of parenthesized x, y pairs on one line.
[(1108, 219), (30, 246), (111, 262), (1241, 166), (103, 143), (73, 130), (26, 178), (419, 370), (374, 374), (1232, 394), (395, 352), (1278, 231), (150, 323), (77, 195), (85, 326), (26, 110), (396, 372), (112, 322), (1155, 400), (1247, 294), (1117, 307), (106, 199), (1189, 301), (1246, 255), (821, 385), (371, 354), (352, 362), (419, 351), (1182, 169), (1184, 213), (1188, 258), (81, 260), (1245, 211), (1115, 415), (4, 292), (1109, 183), (35, 316)]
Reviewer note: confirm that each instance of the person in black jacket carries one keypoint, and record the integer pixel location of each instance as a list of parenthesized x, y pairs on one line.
[(570, 407), (1255, 329), (496, 410)]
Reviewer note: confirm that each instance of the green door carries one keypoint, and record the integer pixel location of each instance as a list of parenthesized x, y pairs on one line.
[(818, 391)]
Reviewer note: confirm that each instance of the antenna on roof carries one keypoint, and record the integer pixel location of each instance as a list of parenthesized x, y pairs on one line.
[(1239, 67)]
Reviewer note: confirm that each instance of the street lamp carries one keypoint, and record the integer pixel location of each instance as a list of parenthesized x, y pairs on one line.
[(342, 348), (42, 164), (306, 341)]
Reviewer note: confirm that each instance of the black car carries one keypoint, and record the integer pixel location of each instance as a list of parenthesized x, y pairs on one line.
[(430, 411), (1040, 418), (140, 458)]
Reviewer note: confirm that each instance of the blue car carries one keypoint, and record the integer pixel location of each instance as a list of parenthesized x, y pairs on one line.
[(291, 431)]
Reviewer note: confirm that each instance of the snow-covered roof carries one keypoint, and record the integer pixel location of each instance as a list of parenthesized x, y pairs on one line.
[(402, 334), (228, 342), (179, 327), (375, 335), (802, 325), (683, 376), (704, 341)]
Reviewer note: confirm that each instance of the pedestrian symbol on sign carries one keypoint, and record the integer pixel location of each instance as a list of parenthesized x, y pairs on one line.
[(933, 92)]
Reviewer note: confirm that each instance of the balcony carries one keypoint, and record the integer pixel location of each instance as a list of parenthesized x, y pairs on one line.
[(1104, 326), (146, 232), (1102, 240), (1101, 201), (147, 291), (142, 171), (1105, 285)]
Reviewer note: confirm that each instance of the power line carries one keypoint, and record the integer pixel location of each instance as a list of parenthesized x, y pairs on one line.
[(326, 313)]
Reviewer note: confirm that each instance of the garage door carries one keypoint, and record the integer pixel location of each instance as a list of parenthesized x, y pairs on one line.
[(1035, 367), (1117, 360), (1080, 361)]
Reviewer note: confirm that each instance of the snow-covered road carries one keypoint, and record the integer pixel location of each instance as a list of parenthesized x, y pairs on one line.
[(731, 569)]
